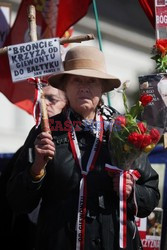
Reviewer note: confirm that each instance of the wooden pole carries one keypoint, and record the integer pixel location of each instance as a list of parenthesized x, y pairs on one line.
[(74, 39), (32, 23), (33, 37), (77, 39)]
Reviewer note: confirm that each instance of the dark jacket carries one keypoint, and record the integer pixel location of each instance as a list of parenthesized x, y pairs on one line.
[(59, 190), (17, 231)]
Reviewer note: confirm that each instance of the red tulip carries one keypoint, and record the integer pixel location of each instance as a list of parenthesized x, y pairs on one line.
[(136, 139), (120, 120), (145, 99), (142, 127), (146, 140), (155, 135)]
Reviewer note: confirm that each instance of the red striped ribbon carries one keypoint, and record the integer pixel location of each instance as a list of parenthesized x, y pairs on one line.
[(80, 225), (123, 199)]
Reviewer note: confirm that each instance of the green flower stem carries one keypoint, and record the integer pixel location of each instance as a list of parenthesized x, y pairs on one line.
[(126, 128), (125, 101)]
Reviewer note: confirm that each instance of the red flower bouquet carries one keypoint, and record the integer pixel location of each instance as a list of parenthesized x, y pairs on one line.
[(130, 137)]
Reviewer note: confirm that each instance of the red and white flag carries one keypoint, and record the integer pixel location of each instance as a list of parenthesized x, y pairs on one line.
[(54, 18)]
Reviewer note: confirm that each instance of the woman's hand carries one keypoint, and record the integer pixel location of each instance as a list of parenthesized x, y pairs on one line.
[(129, 184), (44, 150)]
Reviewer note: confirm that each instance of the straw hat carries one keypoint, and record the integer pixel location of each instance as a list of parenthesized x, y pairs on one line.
[(85, 61)]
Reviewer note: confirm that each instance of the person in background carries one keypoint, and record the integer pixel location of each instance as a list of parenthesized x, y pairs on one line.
[(18, 230), (80, 205), (55, 100), (154, 225)]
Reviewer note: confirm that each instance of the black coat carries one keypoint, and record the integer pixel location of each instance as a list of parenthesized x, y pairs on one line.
[(59, 190), (17, 231)]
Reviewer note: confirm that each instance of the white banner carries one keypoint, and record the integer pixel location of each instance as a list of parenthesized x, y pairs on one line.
[(161, 19), (35, 59)]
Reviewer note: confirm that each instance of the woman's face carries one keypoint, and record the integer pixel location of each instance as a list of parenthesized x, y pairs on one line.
[(83, 94)]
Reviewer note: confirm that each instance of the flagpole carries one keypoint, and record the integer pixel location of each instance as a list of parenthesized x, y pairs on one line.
[(99, 37)]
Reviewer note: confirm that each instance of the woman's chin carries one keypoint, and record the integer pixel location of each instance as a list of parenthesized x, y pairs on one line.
[(85, 106), (85, 103), (85, 111)]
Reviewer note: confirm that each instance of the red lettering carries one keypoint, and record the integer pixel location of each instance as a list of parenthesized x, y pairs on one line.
[(76, 125), (58, 126), (51, 123), (67, 126)]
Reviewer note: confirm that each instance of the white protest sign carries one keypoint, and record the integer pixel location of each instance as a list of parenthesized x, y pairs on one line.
[(161, 19), (35, 59)]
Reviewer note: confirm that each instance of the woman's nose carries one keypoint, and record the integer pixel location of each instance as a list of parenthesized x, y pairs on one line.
[(84, 87), (84, 90)]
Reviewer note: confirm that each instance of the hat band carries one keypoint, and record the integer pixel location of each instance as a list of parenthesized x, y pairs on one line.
[(83, 64)]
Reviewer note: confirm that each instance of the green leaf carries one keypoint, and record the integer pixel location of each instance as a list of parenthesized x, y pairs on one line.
[(161, 62), (136, 109), (116, 135)]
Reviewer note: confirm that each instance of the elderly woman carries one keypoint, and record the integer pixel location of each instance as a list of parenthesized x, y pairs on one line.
[(80, 205)]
